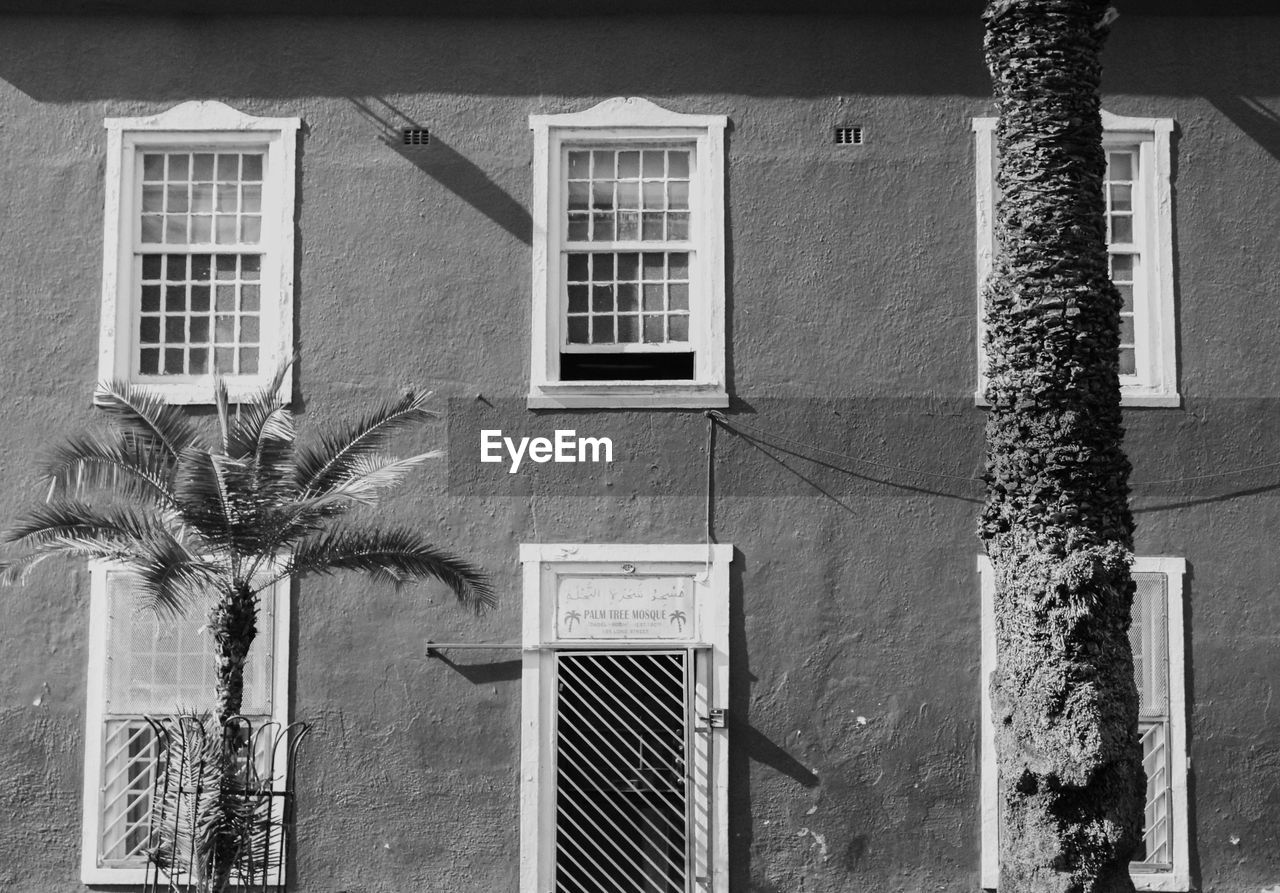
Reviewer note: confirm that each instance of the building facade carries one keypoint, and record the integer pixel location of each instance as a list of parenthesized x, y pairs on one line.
[(727, 266)]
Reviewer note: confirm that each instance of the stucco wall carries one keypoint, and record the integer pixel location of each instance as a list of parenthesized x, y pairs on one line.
[(851, 330)]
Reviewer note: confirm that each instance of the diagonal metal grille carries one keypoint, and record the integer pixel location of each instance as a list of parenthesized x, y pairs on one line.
[(622, 748)]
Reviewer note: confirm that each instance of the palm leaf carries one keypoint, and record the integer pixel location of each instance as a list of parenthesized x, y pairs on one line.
[(115, 462), (335, 458), (69, 519), (170, 578), (215, 498), (15, 570), (148, 416), (373, 476), (395, 556), (245, 429)]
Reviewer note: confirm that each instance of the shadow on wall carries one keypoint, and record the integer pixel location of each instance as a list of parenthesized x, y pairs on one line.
[(171, 58), (448, 168), (1261, 123)]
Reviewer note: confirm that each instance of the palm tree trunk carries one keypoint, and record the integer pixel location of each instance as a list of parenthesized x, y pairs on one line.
[(1056, 522), (234, 622)]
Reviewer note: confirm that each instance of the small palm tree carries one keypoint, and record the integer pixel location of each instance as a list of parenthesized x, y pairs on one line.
[(188, 519)]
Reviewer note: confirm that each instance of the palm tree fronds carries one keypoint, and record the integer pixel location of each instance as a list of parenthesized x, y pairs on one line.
[(215, 498), (334, 458), (68, 519), (185, 811), (15, 570), (394, 556), (113, 462), (170, 578), (147, 415), (372, 476)]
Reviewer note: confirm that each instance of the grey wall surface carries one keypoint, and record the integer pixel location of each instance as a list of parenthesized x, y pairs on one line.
[(851, 333)]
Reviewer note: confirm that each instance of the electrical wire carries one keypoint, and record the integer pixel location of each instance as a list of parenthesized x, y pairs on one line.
[(735, 424)]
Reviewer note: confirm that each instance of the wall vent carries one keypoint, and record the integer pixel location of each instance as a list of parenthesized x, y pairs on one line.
[(848, 136), (416, 136)]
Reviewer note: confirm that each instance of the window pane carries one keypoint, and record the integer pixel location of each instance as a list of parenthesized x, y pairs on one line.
[(1122, 268), (202, 166), (152, 198), (202, 198), (602, 299), (150, 298), (628, 267), (1121, 197), (602, 165), (1128, 362), (252, 166), (602, 268), (579, 165), (199, 329), (228, 167), (152, 167), (628, 164), (1121, 228), (1119, 166), (628, 297), (602, 330)]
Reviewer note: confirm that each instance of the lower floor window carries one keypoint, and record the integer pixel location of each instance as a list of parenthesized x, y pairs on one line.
[(624, 778), (144, 665), (1161, 861)]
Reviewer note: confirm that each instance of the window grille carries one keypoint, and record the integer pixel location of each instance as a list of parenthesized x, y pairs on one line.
[(625, 820), (416, 136)]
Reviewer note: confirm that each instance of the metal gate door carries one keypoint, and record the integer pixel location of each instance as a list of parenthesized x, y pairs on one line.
[(623, 744)]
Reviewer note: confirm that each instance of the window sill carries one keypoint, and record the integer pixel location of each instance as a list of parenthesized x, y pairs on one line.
[(199, 392), (1168, 881), (628, 395)]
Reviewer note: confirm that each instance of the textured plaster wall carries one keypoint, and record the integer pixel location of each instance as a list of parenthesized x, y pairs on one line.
[(854, 605)]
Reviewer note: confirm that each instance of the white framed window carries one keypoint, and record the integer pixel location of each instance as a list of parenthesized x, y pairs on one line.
[(1139, 218), (628, 258), (197, 273), (624, 767), (1159, 654), (141, 664)]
